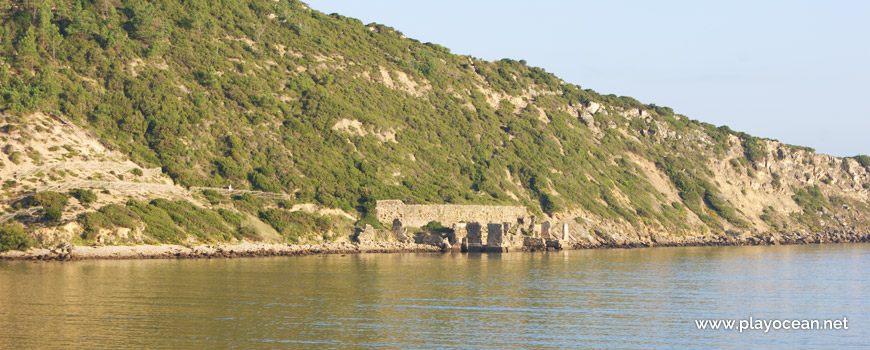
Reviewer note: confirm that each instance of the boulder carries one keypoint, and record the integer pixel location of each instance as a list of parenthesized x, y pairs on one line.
[(445, 244), (399, 231), (366, 235), (432, 239)]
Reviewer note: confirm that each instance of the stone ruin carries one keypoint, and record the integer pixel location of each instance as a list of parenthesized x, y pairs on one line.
[(475, 228), (459, 233), (475, 236), (418, 215)]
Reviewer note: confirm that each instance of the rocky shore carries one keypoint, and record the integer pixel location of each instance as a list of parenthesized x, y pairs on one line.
[(793, 238), (73, 252)]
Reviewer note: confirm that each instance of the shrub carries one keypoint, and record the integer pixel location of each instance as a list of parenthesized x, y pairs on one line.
[(213, 196), (370, 220), (863, 160), (753, 148), (811, 199), (49, 199), (84, 196), (297, 224), (775, 181), (52, 214), (12, 237), (436, 227)]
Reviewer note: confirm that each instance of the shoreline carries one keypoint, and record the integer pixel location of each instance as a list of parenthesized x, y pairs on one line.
[(205, 251), (250, 250)]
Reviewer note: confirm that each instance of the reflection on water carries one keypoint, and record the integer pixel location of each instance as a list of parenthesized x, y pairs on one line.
[(642, 298)]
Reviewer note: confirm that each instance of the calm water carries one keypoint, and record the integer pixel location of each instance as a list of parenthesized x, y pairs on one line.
[(642, 298)]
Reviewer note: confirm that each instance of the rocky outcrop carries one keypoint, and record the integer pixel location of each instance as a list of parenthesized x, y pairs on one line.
[(72, 252), (399, 231), (366, 235)]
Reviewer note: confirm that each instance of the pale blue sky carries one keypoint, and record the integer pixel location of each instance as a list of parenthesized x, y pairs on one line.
[(796, 71)]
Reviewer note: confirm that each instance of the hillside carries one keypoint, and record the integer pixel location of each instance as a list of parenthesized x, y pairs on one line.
[(331, 115)]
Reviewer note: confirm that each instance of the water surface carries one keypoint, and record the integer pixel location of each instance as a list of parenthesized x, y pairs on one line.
[(641, 298)]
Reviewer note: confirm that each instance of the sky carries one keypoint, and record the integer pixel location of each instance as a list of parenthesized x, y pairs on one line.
[(796, 71)]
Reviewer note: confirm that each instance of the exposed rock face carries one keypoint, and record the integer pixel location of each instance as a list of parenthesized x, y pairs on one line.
[(536, 230), (399, 231), (446, 214), (593, 107), (366, 235)]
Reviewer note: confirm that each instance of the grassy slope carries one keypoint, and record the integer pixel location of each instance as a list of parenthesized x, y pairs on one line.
[(273, 96)]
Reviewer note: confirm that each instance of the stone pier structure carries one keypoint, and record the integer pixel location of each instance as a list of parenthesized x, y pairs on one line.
[(459, 233), (475, 237), (496, 238)]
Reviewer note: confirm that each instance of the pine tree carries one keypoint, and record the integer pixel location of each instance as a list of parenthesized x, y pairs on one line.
[(27, 52), (146, 22), (49, 34)]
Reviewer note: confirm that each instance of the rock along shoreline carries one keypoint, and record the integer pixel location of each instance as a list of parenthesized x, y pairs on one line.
[(209, 251), (248, 250)]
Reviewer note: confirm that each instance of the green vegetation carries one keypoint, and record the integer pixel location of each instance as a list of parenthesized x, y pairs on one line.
[(863, 160), (259, 94), (213, 196), (165, 221), (811, 200), (436, 227), (753, 149), (49, 199), (775, 181), (51, 215), (296, 225), (117, 67), (699, 195), (83, 195), (12, 237)]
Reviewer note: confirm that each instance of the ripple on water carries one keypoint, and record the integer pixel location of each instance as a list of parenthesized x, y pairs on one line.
[(642, 298)]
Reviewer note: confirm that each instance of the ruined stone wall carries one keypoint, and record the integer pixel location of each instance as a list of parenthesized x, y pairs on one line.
[(447, 214)]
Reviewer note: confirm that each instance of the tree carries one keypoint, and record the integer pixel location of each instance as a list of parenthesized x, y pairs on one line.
[(147, 24), (106, 6), (49, 34), (52, 214), (13, 237), (27, 48)]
